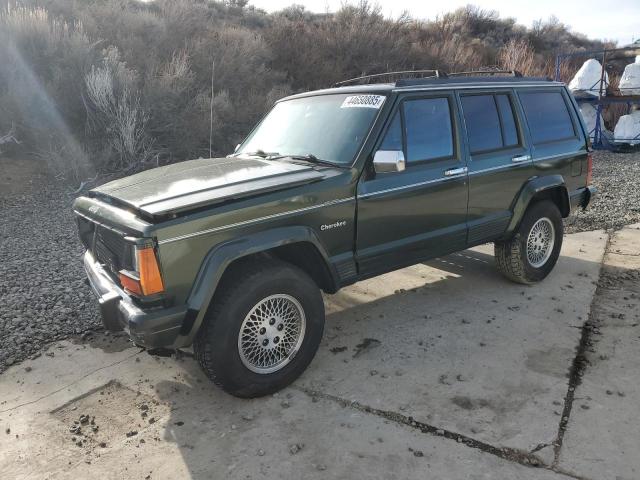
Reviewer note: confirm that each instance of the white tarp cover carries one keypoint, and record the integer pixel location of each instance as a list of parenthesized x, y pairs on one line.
[(628, 129), (588, 78), (630, 80), (589, 114)]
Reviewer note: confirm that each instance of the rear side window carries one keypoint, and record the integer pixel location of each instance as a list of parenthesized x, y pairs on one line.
[(490, 122), (509, 129), (547, 116), (427, 132)]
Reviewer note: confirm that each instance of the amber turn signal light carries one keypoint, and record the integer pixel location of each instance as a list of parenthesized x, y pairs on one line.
[(130, 282), (150, 278), (147, 280)]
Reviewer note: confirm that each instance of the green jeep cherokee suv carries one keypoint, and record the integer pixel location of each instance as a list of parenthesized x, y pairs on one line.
[(331, 187)]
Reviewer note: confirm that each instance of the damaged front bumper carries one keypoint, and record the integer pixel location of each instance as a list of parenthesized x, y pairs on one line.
[(152, 328)]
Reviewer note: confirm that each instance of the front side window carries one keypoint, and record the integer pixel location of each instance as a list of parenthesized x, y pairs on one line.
[(330, 127), (547, 116), (428, 131), (489, 121)]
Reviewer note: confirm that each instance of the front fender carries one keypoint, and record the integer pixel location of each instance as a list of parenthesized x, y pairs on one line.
[(529, 191), (221, 256)]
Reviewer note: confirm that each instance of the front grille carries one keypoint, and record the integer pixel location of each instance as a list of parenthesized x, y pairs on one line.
[(112, 250), (107, 246), (86, 230)]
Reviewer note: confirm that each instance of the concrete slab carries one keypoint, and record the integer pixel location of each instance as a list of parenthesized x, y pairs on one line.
[(603, 432), (456, 346), (186, 428), (450, 344)]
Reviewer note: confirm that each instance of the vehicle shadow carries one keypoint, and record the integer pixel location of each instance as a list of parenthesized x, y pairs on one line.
[(221, 436)]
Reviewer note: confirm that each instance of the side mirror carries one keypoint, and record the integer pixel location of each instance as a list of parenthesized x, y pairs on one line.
[(385, 161)]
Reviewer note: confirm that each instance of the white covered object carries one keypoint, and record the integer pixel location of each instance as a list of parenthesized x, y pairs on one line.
[(630, 80), (588, 78), (628, 129), (589, 115)]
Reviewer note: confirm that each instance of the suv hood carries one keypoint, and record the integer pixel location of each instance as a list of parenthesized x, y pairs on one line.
[(196, 183)]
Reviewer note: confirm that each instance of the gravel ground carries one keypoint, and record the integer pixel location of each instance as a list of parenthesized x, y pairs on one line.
[(617, 178), (42, 290), (43, 296)]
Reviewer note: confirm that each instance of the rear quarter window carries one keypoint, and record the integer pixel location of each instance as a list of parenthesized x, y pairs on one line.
[(547, 115)]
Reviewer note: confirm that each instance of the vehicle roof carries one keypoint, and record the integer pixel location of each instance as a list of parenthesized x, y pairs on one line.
[(433, 83)]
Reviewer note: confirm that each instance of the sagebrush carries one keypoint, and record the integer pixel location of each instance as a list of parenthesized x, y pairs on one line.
[(113, 86)]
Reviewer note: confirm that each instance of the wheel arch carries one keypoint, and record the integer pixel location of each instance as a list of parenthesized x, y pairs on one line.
[(297, 245), (551, 187)]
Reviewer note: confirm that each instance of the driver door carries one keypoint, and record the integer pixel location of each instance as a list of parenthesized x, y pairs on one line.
[(420, 212)]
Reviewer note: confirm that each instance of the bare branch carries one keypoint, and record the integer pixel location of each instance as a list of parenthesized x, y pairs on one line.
[(10, 137)]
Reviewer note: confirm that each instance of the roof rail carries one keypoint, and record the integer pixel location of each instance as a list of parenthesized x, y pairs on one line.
[(367, 78), (513, 73)]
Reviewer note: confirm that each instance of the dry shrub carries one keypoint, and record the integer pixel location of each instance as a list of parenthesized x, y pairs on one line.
[(519, 55), (118, 85), (42, 61), (115, 113)]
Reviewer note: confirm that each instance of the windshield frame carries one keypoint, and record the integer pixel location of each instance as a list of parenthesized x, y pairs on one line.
[(383, 108)]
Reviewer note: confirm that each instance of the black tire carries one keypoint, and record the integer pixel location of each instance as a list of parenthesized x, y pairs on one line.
[(511, 255), (216, 345)]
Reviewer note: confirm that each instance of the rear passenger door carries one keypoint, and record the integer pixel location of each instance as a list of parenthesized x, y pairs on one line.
[(499, 160), (558, 142), (410, 215)]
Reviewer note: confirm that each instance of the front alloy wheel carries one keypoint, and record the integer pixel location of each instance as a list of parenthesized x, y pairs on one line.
[(271, 333), (263, 328)]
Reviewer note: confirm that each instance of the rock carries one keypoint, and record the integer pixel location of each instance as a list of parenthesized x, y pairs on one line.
[(295, 448), (418, 453), (132, 433), (260, 452)]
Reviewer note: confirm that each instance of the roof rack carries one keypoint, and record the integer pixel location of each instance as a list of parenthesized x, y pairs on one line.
[(367, 78), (513, 73)]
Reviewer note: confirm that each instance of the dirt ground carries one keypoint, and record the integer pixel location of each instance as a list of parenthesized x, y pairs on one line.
[(442, 370)]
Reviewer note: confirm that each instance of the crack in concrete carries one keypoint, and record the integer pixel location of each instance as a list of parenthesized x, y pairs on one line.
[(579, 363), (515, 455), (70, 384)]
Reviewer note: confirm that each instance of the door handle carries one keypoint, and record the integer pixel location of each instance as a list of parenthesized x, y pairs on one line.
[(455, 171), (521, 158)]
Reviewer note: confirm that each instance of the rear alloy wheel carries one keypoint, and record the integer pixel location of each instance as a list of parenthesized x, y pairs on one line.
[(262, 330), (540, 242), (530, 255)]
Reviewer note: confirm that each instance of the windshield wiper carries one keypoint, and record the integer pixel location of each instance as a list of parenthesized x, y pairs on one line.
[(310, 157)]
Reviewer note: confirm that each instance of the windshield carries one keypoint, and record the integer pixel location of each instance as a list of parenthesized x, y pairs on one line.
[(328, 127)]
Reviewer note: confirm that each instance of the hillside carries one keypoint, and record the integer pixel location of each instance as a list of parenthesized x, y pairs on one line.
[(115, 86)]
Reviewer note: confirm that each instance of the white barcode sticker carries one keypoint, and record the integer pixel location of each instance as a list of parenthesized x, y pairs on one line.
[(363, 101)]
